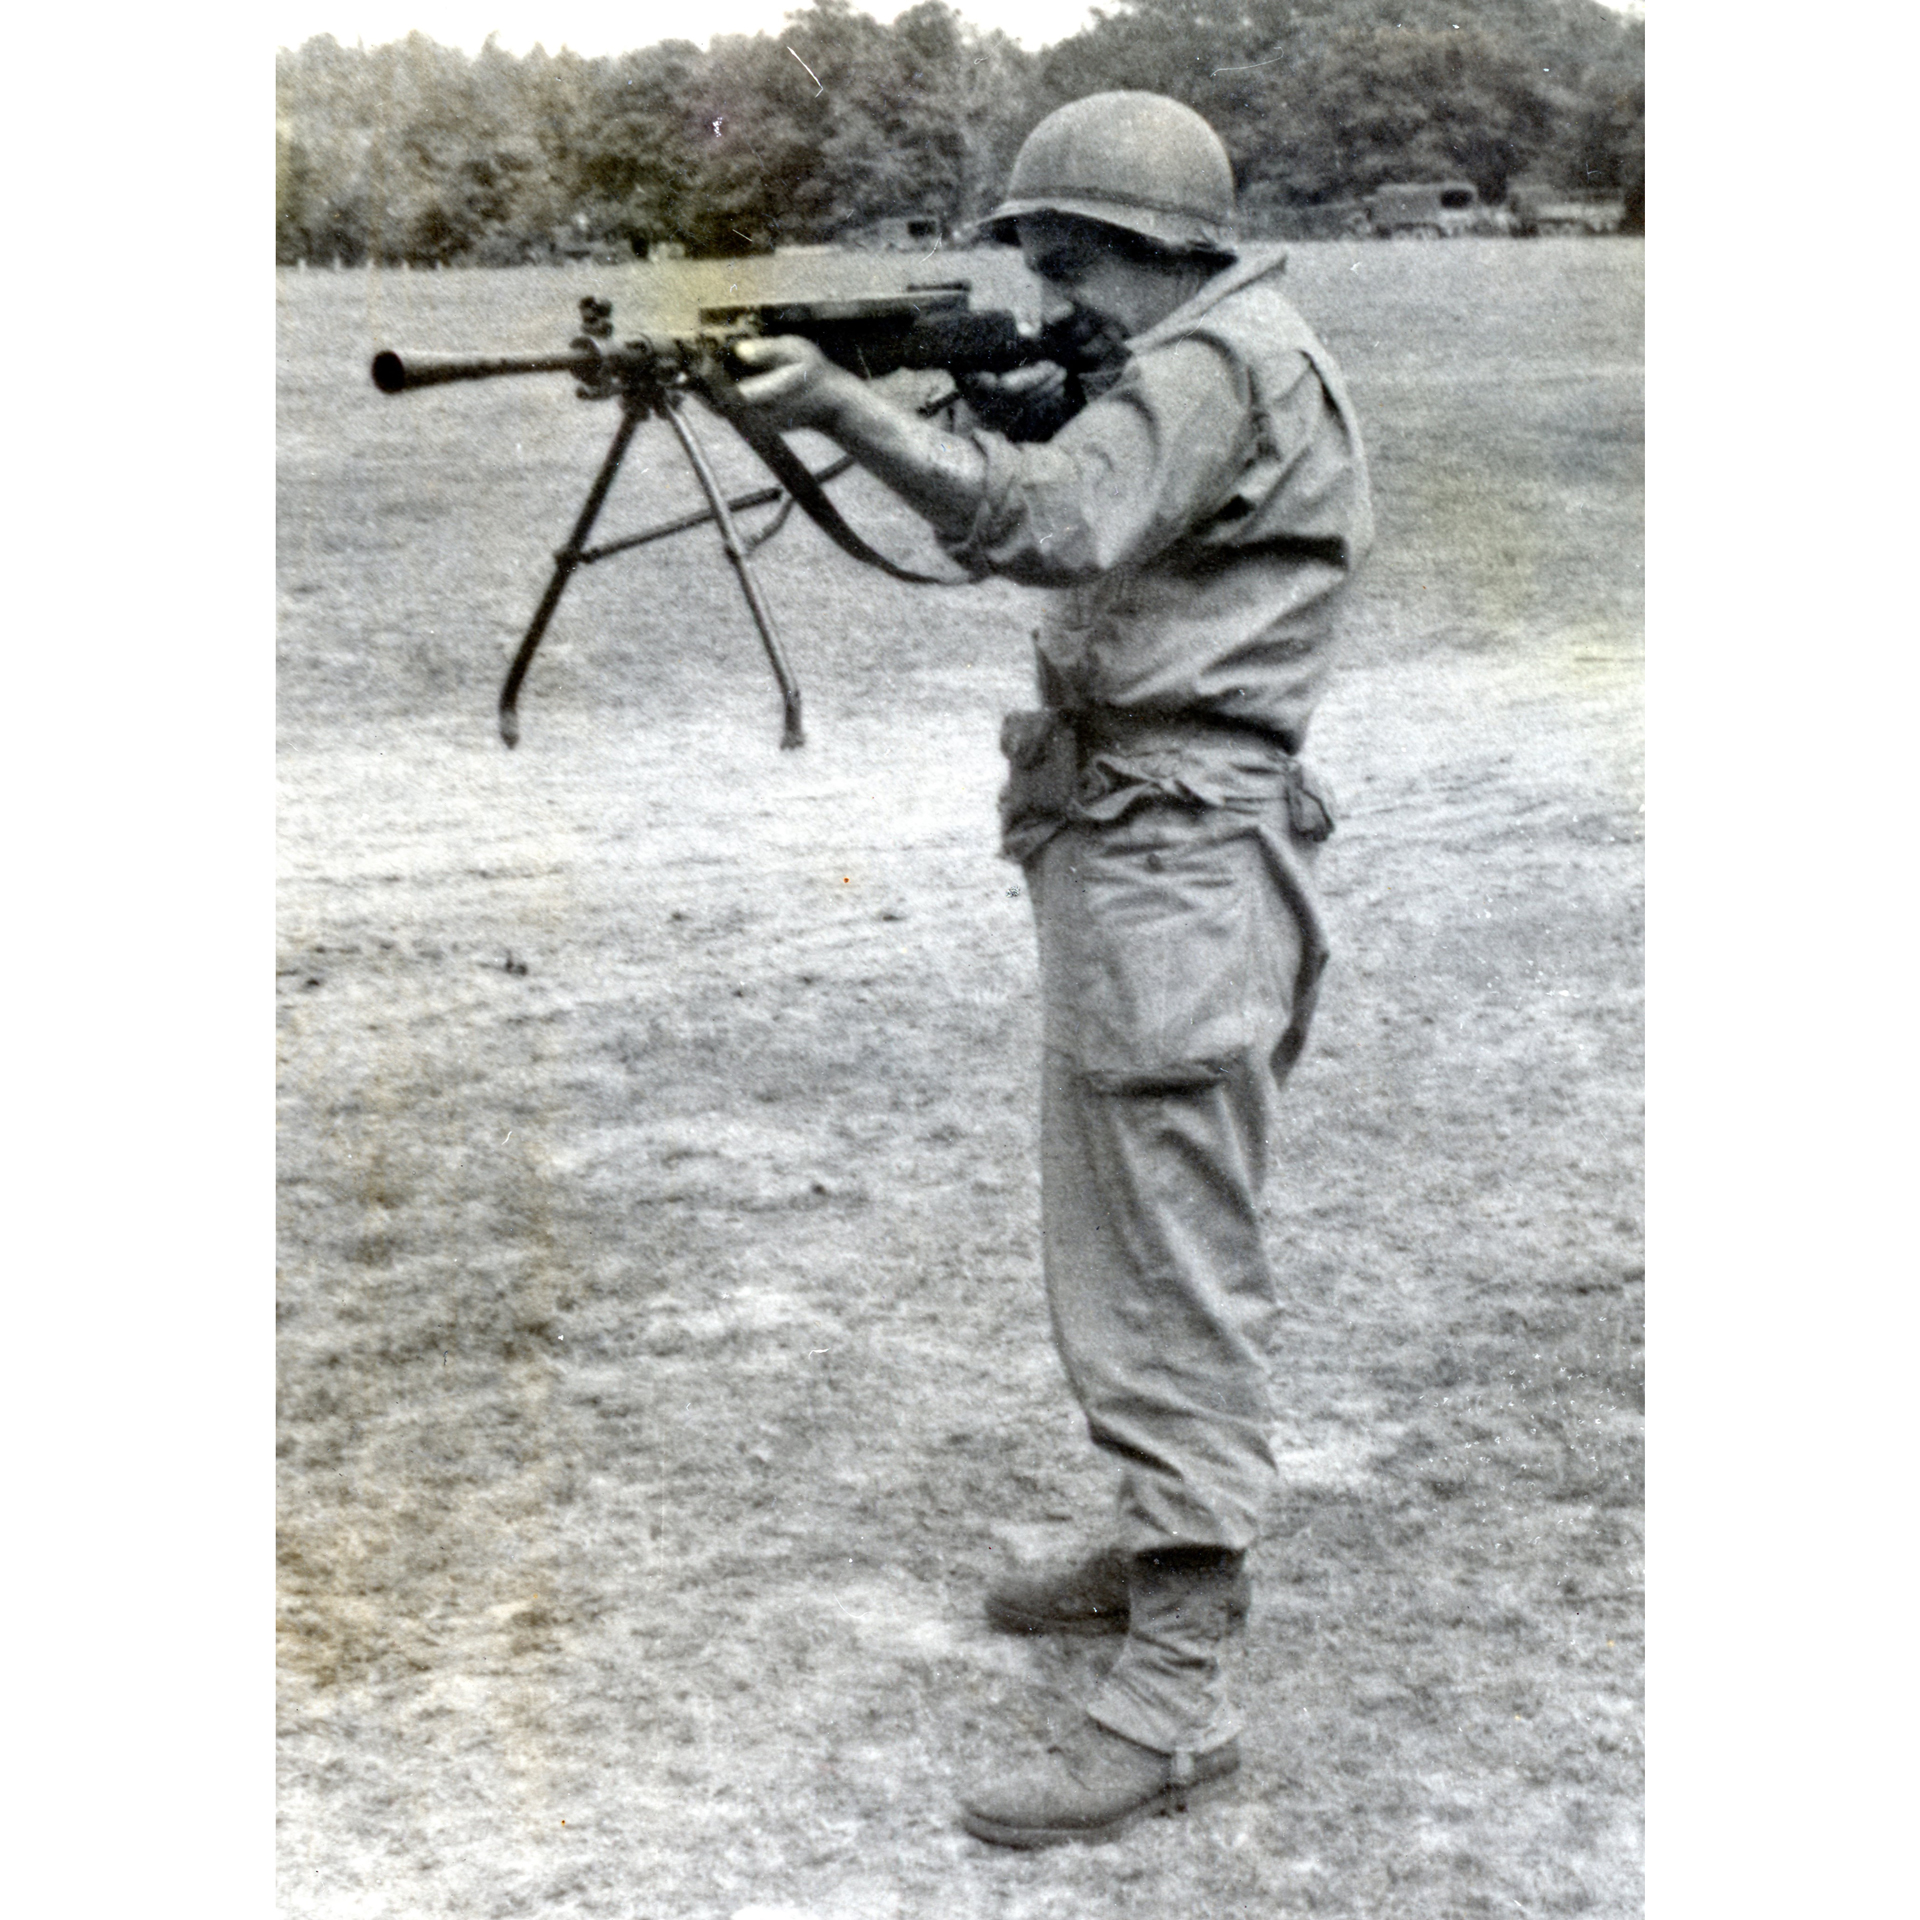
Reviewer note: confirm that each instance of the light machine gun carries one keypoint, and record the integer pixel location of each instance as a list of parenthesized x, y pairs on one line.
[(926, 328)]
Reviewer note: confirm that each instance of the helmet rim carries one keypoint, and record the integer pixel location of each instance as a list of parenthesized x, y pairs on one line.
[(1175, 229), (1141, 162)]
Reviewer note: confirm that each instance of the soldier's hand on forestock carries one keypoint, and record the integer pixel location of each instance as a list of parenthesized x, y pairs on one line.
[(791, 382)]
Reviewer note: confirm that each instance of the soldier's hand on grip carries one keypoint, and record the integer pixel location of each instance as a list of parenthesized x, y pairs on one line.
[(1013, 403)]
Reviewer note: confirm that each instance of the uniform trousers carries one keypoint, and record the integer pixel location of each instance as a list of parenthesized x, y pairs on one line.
[(1180, 950)]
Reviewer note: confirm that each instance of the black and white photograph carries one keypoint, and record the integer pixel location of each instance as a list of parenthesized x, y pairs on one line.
[(959, 912)]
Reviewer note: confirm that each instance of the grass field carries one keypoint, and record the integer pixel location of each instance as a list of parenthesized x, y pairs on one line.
[(664, 1366)]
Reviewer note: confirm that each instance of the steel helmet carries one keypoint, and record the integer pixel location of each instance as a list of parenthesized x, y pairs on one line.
[(1133, 160)]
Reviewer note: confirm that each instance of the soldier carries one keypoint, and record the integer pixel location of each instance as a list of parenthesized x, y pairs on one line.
[(1199, 520)]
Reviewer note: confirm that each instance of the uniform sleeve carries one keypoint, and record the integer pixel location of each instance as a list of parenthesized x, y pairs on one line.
[(1126, 477)]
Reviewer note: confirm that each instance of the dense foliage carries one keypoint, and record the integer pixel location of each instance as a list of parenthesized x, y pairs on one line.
[(416, 152)]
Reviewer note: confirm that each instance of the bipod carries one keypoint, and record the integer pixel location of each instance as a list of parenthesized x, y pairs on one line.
[(673, 405), (636, 402)]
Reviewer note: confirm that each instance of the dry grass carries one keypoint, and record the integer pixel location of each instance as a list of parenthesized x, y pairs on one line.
[(664, 1366)]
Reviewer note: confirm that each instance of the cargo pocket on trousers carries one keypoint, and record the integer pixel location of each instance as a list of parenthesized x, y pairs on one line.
[(1168, 956)]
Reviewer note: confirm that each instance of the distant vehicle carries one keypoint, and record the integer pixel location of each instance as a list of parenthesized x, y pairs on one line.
[(582, 249), (1544, 210), (1426, 210), (901, 233)]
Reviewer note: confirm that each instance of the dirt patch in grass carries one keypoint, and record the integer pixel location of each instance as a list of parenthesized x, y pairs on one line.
[(664, 1368)]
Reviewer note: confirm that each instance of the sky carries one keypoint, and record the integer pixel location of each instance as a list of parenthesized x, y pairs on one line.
[(617, 26)]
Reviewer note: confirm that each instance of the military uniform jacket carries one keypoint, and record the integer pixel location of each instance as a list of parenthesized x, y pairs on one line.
[(1201, 521)]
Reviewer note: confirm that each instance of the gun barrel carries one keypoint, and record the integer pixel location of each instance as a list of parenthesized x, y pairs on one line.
[(393, 373)]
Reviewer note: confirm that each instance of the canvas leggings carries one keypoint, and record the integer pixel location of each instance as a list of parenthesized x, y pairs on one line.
[(1180, 950)]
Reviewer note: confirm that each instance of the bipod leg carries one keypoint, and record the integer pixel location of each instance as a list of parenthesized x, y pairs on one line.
[(564, 562), (792, 735)]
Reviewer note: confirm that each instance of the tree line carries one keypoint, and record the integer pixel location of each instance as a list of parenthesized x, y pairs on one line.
[(419, 153)]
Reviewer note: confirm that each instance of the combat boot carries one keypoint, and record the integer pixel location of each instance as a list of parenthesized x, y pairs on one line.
[(1091, 1785), (1085, 1598), (1159, 1725)]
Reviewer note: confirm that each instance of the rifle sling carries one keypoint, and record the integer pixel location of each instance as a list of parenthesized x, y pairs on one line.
[(808, 494)]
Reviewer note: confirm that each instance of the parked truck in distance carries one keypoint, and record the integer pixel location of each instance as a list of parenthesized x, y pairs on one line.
[(899, 233), (1427, 210), (1544, 210)]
